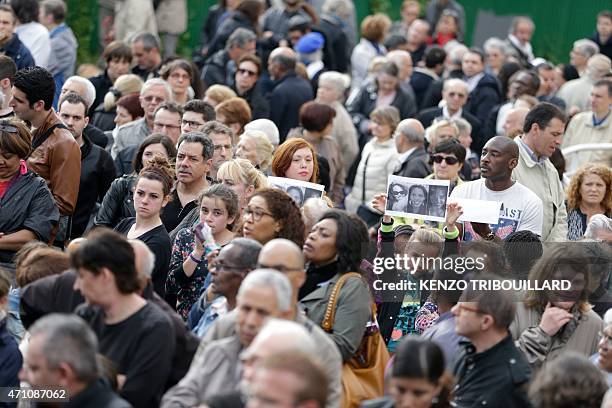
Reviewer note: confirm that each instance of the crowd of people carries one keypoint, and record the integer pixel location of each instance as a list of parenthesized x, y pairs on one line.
[(146, 260)]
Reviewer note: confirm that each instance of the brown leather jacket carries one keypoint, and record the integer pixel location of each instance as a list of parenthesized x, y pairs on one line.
[(58, 161)]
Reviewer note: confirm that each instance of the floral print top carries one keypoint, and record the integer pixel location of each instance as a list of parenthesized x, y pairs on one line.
[(187, 289)]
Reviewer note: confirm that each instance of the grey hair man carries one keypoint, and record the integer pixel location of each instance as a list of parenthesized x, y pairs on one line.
[(409, 139), (519, 39), (264, 293), (220, 68), (582, 50), (62, 355), (153, 93), (577, 92)]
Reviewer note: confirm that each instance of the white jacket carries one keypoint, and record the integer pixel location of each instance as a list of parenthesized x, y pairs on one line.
[(543, 179), (382, 162)]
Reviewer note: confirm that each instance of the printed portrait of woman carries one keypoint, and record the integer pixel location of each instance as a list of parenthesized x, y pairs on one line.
[(417, 200), (398, 197), (437, 200), (296, 193)]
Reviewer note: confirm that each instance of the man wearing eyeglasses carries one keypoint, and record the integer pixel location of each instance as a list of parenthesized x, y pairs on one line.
[(153, 93), (247, 87), (196, 114), (490, 371), (167, 120), (521, 208)]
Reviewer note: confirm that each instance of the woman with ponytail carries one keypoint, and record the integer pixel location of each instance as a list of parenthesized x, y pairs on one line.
[(151, 194), (104, 115)]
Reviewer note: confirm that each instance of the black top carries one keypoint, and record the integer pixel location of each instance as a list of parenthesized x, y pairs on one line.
[(496, 377), (99, 395), (174, 212), (141, 347), (159, 243), (317, 275)]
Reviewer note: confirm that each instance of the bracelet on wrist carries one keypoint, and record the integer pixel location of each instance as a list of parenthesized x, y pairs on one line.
[(194, 259)]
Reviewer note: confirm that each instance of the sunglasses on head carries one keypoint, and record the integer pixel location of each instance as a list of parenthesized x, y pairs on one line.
[(437, 158)]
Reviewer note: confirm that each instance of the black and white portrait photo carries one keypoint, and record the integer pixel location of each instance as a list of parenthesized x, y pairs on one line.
[(417, 198), (299, 190), (436, 205)]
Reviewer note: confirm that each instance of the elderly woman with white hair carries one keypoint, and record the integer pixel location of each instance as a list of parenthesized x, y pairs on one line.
[(599, 228), (255, 146), (331, 91)]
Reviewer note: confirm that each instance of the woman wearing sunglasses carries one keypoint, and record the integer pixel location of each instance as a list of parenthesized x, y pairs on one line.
[(28, 210)]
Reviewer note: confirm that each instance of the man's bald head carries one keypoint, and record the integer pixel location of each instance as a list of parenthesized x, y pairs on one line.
[(144, 259), (515, 120), (282, 60), (408, 134), (403, 60), (284, 256), (505, 145)]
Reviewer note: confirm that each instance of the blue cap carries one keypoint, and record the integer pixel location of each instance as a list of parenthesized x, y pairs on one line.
[(310, 43)]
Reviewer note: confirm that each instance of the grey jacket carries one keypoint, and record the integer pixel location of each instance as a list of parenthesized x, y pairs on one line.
[(353, 311), (538, 347), (130, 134), (327, 351), (64, 51), (217, 370)]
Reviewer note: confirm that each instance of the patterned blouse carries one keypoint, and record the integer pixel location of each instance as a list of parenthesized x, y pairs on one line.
[(186, 288)]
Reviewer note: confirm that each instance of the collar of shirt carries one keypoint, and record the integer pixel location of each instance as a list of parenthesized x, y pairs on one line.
[(448, 116), (473, 81), (405, 155), (525, 48), (532, 154), (599, 122), (313, 68)]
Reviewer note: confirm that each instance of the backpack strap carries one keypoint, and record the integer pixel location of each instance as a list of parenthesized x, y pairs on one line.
[(36, 143)]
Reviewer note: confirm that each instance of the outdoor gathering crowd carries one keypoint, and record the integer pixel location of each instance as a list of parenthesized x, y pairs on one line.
[(147, 260)]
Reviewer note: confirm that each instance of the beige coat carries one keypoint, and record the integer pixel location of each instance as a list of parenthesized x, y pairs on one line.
[(581, 130), (344, 132), (132, 16), (172, 16), (543, 179), (540, 348)]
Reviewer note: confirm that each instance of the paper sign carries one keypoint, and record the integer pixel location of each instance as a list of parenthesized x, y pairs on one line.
[(486, 212)]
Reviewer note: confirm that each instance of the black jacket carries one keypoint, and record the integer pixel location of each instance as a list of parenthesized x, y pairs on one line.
[(364, 103), (237, 20), (27, 204), (331, 27), (102, 83), (421, 81), (118, 203), (97, 394), (124, 159), (97, 174), (288, 95), (96, 135), (416, 166), (260, 107), (103, 119), (18, 52), (427, 116), (216, 70), (484, 97), (496, 377)]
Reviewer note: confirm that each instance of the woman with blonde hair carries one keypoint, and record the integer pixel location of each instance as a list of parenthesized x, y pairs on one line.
[(216, 94), (589, 194), (551, 322), (243, 178), (104, 115), (255, 146)]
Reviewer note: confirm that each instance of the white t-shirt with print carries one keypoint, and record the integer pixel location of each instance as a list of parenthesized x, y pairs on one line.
[(521, 208)]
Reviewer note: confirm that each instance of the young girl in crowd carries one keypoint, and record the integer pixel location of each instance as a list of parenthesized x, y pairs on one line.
[(151, 194), (218, 210)]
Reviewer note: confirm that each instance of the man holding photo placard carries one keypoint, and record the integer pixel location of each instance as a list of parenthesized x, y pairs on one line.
[(521, 208)]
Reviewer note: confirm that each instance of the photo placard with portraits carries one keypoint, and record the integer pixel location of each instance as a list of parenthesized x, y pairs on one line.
[(299, 190), (423, 199)]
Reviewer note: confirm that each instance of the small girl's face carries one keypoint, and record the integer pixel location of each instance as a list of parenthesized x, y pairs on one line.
[(214, 213)]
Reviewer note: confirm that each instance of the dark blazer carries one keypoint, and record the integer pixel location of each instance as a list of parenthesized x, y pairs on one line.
[(215, 69), (260, 107), (288, 95), (102, 83), (237, 20), (416, 166), (484, 97), (427, 116), (336, 44)]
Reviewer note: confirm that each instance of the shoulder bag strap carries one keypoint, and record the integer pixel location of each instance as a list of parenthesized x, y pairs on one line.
[(41, 139), (330, 311), (363, 181)]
